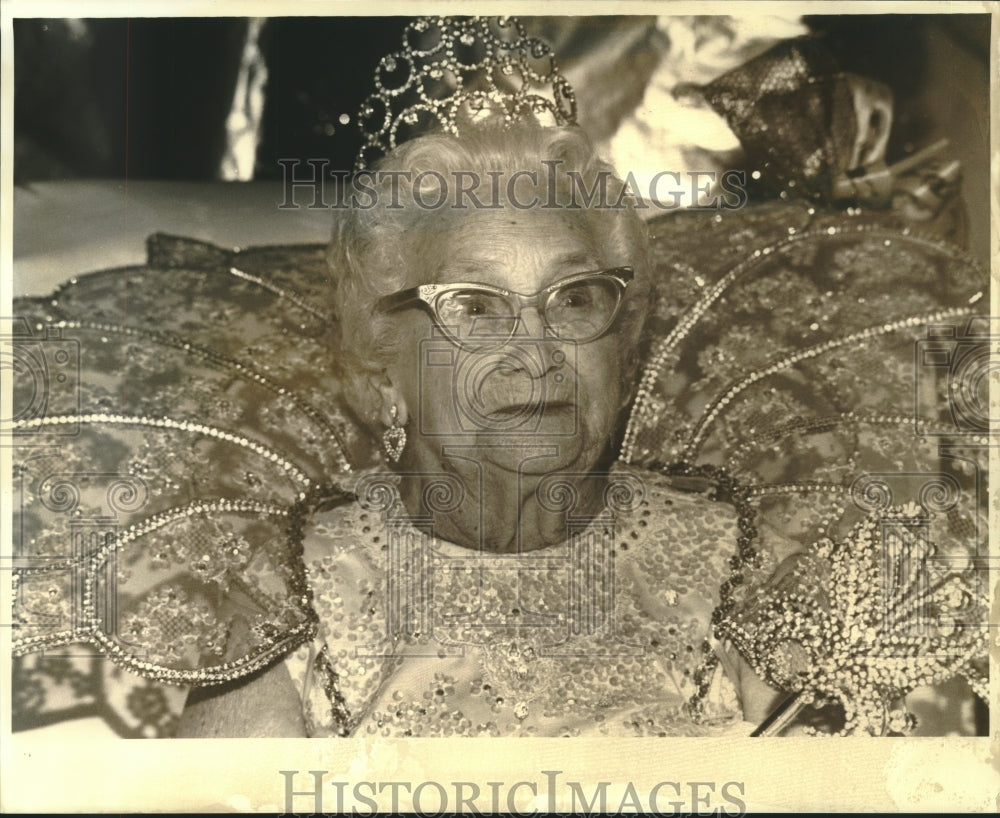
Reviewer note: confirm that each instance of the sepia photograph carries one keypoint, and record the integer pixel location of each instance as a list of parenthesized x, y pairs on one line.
[(469, 404)]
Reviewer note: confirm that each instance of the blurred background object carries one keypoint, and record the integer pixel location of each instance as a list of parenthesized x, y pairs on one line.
[(144, 98)]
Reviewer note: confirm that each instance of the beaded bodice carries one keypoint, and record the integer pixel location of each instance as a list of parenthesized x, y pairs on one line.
[(602, 634)]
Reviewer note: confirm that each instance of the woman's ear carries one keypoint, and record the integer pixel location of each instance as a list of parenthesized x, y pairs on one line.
[(393, 408), (371, 395)]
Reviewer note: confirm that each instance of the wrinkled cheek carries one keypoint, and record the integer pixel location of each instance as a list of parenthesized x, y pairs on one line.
[(431, 399), (415, 373), (603, 416), (602, 402)]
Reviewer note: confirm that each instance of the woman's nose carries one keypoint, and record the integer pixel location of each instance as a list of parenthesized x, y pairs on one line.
[(533, 349), (530, 324)]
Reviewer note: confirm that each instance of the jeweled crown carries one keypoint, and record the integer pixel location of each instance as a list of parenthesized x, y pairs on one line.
[(458, 70)]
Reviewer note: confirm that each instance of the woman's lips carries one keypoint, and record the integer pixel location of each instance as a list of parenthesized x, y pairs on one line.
[(531, 409)]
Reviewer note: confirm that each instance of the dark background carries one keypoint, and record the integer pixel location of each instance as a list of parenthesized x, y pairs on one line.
[(147, 98)]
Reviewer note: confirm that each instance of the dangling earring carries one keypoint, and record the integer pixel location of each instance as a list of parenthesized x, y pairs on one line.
[(394, 438)]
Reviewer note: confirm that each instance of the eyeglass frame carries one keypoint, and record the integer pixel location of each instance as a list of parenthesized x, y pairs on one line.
[(426, 295)]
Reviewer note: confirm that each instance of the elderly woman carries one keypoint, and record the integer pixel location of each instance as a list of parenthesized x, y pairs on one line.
[(522, 470), (511, 578)]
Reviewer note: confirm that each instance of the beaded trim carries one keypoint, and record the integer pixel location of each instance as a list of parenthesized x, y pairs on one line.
[(718, 404), (244, 370), (161, 519), (641, 408), (284, 294), (330, 682), (90, 631), (746, 556), (827, 423), (296, 474), (258, 657)]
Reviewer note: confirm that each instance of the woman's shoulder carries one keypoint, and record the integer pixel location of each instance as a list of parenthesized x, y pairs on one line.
[(696, 494), (349, 518)]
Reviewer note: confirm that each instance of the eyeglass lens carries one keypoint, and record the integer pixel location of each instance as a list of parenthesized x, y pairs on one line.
[(576, 311)]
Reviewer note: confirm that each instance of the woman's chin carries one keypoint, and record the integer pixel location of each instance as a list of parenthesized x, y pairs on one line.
[(536, 453)]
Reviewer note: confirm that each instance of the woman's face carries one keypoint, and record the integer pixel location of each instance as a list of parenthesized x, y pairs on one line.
[(537, 404)]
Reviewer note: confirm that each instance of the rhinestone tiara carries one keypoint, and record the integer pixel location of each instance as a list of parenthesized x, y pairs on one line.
[(454, 71)]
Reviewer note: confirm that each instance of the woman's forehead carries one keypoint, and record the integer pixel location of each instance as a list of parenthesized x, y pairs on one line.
[(520, 249)]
